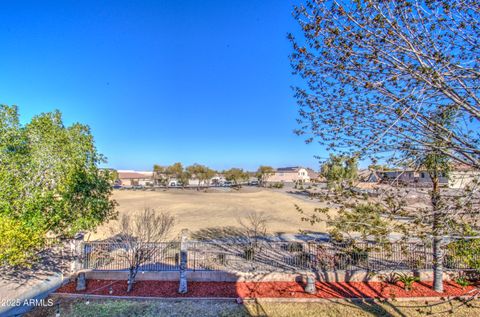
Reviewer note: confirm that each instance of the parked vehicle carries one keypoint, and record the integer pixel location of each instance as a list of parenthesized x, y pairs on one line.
[(253, 183), (117, 186)]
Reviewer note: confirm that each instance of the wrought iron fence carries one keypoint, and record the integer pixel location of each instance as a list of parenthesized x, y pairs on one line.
[(115, 256), (273, 256)]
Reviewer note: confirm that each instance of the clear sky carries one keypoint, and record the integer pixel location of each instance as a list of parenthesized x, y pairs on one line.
[(160, 81)]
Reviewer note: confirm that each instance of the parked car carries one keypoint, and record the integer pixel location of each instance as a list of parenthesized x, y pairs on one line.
[(227, 184), (117, 186), (253, 183)]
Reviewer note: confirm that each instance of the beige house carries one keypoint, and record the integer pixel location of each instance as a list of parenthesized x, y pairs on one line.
[(129, 178), (293, 174), (462, 176), (459, 176)]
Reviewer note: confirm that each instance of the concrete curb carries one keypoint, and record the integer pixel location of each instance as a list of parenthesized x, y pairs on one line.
[(223, 276), (35, 292)]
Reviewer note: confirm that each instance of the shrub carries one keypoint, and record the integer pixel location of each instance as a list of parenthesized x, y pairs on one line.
[(276, 185), (462, 280), (18, 242), (407, 280), (390, 278), (464, 251)]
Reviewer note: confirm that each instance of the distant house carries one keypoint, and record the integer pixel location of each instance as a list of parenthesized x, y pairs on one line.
[(133, 178), (462, 176), (368, 176), (407, 177), (459, 176), (293, 174)]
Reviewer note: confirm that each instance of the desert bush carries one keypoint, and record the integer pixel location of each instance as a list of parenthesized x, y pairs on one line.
[(407, 280)]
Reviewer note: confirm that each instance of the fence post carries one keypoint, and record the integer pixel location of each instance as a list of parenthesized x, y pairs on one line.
[(182, 288), (76, 246)]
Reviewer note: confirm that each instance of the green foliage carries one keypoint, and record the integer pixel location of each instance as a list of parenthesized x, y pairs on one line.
[(466, 251), (236, 175), (160, 175), (340, 171), (201, 172), (390, 278), (462, 280), (407, 280), (263, 173), (365, 219), (276, 185), (178, 172), (49, 180), (18, 242)]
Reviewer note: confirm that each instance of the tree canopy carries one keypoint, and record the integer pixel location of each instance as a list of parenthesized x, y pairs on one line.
[(376, 72), (236, 175), (263, 173), (50, 182), (340, 171), (201, 172), (396, 81)]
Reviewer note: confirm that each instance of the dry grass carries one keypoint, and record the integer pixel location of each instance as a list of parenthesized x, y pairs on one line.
[(199, 210)]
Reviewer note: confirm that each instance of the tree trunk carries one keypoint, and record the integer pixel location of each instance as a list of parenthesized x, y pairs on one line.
[(132, 272), (437, 264), (437, 237)]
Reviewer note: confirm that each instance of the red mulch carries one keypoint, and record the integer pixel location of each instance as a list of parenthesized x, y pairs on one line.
[(266, 289)]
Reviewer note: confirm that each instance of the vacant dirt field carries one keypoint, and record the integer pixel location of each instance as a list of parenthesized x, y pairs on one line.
[(196, 210)]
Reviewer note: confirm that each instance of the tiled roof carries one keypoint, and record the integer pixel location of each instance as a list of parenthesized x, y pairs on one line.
[(293, 169), (131, 175)]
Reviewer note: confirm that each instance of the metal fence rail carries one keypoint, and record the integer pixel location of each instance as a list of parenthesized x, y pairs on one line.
[(113, 256), (274, 256)]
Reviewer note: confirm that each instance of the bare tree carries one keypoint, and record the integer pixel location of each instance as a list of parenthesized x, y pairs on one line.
[(376, 71), (254, 228), (396, 81), (138, 237)]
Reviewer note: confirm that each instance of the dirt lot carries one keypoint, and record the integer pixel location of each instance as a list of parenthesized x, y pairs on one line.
[(198, 209)]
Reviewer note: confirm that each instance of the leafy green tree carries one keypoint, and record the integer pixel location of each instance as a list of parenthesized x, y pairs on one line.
[(177, 171), (263, 173), (50, 183), (237, 175), (340, 171), (160, 175), (201, 172)]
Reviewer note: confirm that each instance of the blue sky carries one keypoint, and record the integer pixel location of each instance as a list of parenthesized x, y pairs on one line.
[(160, 81)]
